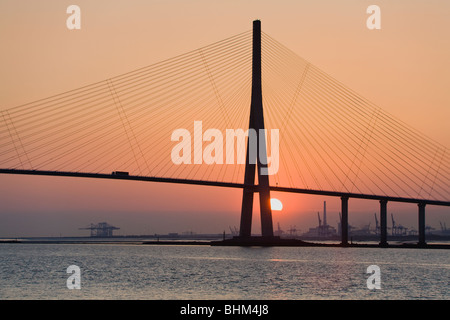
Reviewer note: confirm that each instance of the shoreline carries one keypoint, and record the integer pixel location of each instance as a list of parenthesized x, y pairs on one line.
[(239, 242)]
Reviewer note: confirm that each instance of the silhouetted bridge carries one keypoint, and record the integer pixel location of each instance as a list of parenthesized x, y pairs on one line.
[(333, 142)]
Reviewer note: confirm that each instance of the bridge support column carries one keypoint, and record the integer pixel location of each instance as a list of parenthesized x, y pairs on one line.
[(344, 220), (256, 123), (246, 213), (383, 223), (421, 224)]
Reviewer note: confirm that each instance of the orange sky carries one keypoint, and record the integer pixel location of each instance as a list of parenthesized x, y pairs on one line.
[(403, 68)]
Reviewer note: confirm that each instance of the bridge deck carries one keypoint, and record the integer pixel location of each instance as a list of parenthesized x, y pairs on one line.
[(222, 184)]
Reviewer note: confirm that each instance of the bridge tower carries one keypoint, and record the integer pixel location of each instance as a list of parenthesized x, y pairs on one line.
[(256, 124)]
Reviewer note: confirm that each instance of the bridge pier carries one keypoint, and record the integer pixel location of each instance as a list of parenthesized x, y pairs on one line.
[(383, 223), (256, 123), (246, 213), (344, 220), (421, 226)]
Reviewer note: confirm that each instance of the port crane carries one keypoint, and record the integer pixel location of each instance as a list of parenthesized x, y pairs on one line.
[(279, 232), (377, 226), (234, 232), (293, 231), (394, 227), (101, 229)]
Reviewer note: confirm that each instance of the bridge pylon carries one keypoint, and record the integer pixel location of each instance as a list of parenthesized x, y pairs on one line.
[(256, 124)]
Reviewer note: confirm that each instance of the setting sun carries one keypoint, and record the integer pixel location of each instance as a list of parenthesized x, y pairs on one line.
[(276, 204)]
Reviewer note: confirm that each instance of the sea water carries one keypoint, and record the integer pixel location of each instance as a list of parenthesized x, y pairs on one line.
[(136, 271)]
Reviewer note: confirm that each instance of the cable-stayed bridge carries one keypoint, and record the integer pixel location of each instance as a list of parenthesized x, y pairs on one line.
[(332, 141)]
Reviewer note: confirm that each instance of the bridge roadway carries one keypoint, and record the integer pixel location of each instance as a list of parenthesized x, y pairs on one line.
[(345, 196)]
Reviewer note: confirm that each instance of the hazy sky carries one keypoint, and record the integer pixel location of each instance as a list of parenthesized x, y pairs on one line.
[(404, 68)]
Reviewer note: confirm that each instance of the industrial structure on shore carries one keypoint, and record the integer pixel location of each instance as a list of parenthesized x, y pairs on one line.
[(323, 230), (101, 230)]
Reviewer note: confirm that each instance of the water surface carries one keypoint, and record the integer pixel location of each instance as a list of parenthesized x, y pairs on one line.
[(125, 271)]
